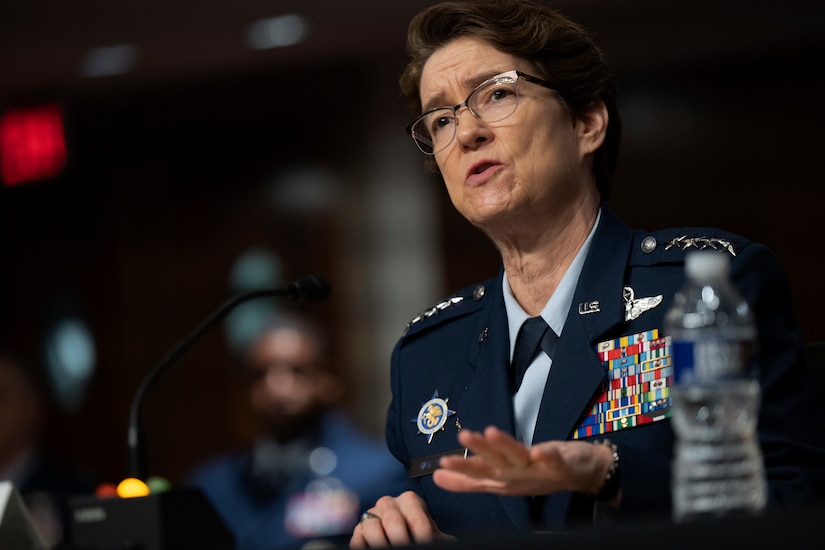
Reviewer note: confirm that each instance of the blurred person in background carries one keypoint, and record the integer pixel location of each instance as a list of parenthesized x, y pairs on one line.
[(312, 471), (44, 485)]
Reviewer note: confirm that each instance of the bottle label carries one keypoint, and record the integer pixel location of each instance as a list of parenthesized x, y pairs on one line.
[(707, 361)]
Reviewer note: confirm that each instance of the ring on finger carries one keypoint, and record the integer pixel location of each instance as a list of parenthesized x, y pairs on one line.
[(368, 515)]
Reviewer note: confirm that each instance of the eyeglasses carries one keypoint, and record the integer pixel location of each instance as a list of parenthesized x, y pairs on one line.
[(491, 101)]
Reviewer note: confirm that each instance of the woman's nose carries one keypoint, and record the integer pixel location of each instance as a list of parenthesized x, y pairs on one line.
[(470, 131)]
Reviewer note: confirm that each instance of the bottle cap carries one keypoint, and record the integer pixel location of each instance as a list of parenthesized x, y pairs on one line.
[(706, 263)]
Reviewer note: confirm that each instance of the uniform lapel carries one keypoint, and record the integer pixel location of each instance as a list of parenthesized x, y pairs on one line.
[(576, 373), (489, 390)]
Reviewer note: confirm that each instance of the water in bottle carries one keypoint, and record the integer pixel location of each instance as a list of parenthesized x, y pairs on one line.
[(718, 469)]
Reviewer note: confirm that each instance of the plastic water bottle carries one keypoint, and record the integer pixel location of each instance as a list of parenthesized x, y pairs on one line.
[(718, 469)]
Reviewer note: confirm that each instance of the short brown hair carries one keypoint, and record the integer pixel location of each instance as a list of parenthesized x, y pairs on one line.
[(562, 52)]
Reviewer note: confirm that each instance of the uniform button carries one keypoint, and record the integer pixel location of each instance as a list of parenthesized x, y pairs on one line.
[(478, 293), (648, 244)]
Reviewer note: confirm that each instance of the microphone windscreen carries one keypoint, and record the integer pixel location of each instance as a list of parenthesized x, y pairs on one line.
[(309, 289)]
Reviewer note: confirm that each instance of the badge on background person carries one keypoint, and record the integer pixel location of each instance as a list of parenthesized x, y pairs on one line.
[(325, 508)]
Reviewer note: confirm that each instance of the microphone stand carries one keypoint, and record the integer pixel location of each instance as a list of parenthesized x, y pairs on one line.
[(306, 289)]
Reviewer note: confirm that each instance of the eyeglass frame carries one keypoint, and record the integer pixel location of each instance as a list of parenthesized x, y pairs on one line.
[(466, 103)]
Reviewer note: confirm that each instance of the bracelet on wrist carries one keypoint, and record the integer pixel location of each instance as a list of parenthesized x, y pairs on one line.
[(612, 481)]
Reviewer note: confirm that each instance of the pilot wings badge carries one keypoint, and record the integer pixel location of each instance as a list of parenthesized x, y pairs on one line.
[(634, 307)]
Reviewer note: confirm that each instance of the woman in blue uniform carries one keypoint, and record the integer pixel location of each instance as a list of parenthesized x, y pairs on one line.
[(516, 108)]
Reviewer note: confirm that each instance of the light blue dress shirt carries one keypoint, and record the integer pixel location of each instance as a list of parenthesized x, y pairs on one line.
[(527, 399)]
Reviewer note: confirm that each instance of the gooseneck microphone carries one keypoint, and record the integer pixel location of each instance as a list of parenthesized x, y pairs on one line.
[(307, 289)]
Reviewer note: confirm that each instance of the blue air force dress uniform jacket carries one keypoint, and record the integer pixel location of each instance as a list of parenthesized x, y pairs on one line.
[(456, 355)]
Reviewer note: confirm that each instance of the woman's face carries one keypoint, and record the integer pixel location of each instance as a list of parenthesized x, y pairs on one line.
[(531, 165)]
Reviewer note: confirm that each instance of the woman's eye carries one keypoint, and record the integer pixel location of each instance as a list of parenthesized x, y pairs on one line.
[(499, 94), (441, 122)]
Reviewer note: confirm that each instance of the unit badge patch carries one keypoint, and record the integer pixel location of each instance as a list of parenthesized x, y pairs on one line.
[(433, 416)]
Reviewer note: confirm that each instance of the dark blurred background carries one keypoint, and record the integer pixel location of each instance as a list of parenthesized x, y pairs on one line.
[(200, 162)]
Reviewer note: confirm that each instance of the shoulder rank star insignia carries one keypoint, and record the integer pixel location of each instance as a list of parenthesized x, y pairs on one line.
[(634, 307), (701, 243), (433, 416)]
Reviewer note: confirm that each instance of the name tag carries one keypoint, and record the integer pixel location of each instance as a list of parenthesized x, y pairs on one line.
[(427, 465)]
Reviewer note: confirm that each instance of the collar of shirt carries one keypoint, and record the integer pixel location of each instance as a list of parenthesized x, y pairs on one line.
[(557, 307)]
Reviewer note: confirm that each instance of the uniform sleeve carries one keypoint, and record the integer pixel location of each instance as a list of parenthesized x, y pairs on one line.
[(396, 424), (395, 440)]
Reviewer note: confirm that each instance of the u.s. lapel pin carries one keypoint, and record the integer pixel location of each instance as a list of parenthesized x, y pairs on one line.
[(432, 416), (589, 307), (633, 307)]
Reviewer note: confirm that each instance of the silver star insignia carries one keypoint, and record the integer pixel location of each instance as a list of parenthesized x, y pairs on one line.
[(701, 243)]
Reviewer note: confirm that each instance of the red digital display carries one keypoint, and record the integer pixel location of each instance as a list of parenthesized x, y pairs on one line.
[(32, 144)]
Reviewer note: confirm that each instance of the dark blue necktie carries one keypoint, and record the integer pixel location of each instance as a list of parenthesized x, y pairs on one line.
[(533, 334)]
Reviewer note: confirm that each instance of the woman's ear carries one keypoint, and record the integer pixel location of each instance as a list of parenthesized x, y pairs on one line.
[(592, 127)]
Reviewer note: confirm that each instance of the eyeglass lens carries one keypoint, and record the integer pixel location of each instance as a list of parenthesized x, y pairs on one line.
[(492, 101)]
